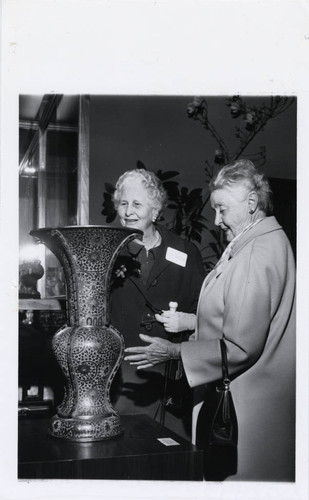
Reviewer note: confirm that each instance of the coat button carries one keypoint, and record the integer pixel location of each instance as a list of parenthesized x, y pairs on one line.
[(154, 283)]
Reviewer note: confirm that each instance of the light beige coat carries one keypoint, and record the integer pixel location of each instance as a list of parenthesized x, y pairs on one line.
[(252, 304)]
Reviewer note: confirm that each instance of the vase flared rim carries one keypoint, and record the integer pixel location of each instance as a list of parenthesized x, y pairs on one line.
[(96, 226)]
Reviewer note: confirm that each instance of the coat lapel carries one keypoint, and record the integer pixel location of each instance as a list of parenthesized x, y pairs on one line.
[(267, 225), (160, 263)]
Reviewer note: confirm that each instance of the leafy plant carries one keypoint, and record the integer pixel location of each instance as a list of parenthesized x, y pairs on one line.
[(188, 207), (251, 121), (108, 205)]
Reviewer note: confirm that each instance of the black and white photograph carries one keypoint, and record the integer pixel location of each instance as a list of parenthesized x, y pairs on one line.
[(157, 276)]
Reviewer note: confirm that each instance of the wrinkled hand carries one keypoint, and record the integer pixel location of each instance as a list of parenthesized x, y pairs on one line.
[(176, 321), (158, 351)]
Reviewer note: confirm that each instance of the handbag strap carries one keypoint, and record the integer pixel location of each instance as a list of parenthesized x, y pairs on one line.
[(225, 372)]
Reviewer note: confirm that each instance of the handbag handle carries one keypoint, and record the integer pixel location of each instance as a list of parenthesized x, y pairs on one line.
[(225, 373)]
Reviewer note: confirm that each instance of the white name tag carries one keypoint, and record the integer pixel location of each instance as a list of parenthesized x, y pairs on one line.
[(168, 441), (175, 256)]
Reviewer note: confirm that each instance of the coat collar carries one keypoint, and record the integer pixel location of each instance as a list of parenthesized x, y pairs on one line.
[(266, 225), (169, 239)]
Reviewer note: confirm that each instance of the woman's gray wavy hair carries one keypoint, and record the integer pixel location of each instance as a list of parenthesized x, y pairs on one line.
[(244, 171), (150, 181)]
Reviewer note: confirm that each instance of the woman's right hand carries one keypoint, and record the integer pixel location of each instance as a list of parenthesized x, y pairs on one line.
[(157, 351)]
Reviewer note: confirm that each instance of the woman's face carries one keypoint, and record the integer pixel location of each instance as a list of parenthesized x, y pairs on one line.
[(232, 209), (135, 208)]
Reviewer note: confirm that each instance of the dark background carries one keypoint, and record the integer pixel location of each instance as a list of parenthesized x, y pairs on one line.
[(157, 131)]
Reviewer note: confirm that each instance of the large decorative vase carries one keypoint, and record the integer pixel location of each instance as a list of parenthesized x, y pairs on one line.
[(88, 349)]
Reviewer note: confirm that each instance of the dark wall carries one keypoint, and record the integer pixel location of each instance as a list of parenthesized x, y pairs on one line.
[(284, 196)]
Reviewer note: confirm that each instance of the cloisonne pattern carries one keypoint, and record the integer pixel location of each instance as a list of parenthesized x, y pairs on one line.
[(88, 349)]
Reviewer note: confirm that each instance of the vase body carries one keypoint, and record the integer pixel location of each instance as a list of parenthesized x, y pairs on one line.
[(88, 349)]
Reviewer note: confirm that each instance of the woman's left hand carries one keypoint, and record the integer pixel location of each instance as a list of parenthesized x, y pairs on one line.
[(175, 322), (158, 351)]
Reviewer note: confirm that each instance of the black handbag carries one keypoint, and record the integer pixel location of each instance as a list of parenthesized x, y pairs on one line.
[(217, 427)]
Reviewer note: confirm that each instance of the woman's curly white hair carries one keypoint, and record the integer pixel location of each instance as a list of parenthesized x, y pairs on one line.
[(244, 171), (150, 181)]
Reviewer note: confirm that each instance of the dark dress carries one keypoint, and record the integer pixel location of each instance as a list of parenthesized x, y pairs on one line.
[(148, 287)]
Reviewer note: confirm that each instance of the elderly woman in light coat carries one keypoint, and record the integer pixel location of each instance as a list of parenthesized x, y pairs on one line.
[(249, 301)]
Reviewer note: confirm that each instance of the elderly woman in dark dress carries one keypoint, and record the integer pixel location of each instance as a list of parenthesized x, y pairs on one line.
[(149, 275), (249, 301)]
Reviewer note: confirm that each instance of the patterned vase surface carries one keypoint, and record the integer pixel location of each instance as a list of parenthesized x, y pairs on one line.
[(88, 349)]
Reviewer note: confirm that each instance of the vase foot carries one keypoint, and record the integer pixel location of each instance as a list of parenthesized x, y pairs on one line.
[(93, 429)]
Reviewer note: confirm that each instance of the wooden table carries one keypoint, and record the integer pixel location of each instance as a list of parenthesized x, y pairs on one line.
[(136, 454)]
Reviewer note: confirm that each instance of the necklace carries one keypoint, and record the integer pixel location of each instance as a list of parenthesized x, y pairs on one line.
[(227, 252), (150, 245), (156, 242)]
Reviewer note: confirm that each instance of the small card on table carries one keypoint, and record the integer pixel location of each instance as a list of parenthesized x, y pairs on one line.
[(168, 441)]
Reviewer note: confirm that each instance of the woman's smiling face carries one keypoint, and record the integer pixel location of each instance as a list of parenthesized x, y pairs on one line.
[(232, 210), (135, 209)]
